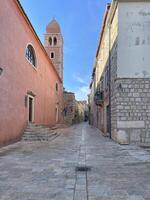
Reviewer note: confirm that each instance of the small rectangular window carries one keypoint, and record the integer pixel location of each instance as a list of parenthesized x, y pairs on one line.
[(57, 87), (52, 55)]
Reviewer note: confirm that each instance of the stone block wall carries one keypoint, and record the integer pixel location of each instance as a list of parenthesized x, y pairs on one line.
[(68, 107), (131, 100), (81, 111)]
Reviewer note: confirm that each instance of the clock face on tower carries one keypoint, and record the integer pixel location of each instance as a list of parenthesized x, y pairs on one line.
[(54, 46)]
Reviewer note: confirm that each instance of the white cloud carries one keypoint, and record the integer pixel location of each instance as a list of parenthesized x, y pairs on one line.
[(81, 93), (84, 80), (79, 79)]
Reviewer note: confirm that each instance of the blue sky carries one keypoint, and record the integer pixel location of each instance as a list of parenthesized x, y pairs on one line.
[(80, 22)]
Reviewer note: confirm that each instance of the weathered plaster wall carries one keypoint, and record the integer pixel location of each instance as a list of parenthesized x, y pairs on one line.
[(19, 76), (134, 40), (114, 66), (107, 55), (103, 54), (93, 109), (114, 58)]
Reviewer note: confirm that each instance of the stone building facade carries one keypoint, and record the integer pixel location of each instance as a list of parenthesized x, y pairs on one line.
[(98, 114), (121, 76), (30, 86), (73, 111), (68, 107), (81, 111)]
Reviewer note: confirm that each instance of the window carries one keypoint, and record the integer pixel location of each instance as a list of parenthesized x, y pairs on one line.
[(50, 41), (30, 55), (102, 85), (52, 55), (55, 41), (1, 71), (56, 86), (106, 78)]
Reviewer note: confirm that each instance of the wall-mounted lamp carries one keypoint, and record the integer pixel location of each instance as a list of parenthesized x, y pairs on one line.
[(1, 71)]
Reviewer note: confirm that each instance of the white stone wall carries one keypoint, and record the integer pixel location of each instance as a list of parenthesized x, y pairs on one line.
[(130, 75), (132, 104), (134, 40)]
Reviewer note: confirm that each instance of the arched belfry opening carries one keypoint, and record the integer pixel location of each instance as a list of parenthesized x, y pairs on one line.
[(55, 41), (50, 41)]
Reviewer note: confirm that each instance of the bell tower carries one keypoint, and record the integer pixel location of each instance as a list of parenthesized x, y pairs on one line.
[(54, 45)]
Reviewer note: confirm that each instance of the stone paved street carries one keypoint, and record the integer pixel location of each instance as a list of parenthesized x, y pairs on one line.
[(47, 170)]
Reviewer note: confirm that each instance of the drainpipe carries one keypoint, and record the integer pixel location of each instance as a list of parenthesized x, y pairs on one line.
[(109, 28)]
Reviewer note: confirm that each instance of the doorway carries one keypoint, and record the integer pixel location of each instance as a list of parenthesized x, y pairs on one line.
[(108, 118), (30, 108), (57, 114)]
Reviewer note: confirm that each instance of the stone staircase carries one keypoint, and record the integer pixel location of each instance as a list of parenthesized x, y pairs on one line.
[(35, 132), (59, 126)]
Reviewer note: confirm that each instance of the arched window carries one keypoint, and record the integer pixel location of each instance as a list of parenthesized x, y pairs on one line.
[(50, 41), (30, 54), (55, 41)]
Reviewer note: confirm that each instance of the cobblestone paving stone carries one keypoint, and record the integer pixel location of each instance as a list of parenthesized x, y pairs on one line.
[(47, 170)]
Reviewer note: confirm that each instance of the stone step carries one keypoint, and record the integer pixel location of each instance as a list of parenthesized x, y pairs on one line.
[(34, 137), (36, 126), (39, 138), (145, 145), (145, 139), (59, 126), (38, 132), (35, 132), (36, 129)]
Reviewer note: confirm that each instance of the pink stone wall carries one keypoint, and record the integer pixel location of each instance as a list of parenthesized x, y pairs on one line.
[(19, 76)]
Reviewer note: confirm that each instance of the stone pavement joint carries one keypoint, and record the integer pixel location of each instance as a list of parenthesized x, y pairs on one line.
[(81, 190)]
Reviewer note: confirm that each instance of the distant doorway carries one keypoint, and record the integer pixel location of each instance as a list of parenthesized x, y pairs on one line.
[(30, 108)]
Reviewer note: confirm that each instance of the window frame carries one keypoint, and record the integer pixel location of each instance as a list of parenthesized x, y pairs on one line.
[(34, 64), (55, 41), (56, 87), (51, 44), (53, 53)]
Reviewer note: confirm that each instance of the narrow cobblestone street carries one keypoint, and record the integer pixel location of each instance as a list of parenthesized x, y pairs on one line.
[(48, 170)]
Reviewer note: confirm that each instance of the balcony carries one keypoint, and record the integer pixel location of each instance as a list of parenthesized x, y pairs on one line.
[(99, 98)]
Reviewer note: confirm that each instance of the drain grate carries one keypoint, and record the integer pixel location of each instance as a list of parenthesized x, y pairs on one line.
[(83, 168)]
